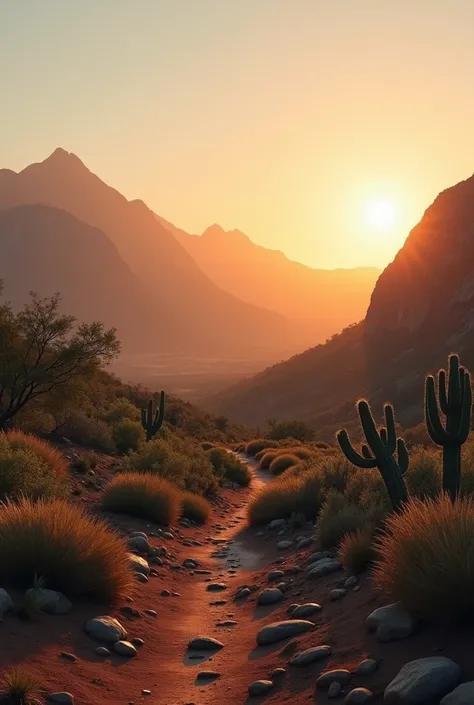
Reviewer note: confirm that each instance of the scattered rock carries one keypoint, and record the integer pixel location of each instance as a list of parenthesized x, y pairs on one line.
[(277, 524), (337, 675), (306, 610), (270, 596), (141, 577), (291, 608), (165, 593), (106, 629), (243, 592), (325, 566), (422, 680), (315, 557), (462, 695), (337, 594), (367, 667), (216, 587), (390, 623), (302, 543), (136, 641), (138, 564), (277, 674), (275, 575), (276, 631), (139, 543), (205, 643), (359, 696), (125, 648), (350, 582), (102, 651), (283, 545), (315, 653), (151, 613), (260, 687), (68, 656), (190, 563), (62, 698)]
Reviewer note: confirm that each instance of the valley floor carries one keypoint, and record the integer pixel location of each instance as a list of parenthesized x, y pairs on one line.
[(58, 652)]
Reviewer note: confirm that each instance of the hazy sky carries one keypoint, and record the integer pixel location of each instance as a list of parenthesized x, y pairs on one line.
[(283, 118)]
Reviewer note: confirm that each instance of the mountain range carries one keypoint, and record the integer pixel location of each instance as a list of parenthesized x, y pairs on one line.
[(421, 309), (63, 229)]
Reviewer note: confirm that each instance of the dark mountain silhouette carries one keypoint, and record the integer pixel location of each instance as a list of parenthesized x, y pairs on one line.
[(421, 309), (195, 315), (319, 301), (48, 250)]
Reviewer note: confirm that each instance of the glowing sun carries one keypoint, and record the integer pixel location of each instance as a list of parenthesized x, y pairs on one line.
[(380, 214)]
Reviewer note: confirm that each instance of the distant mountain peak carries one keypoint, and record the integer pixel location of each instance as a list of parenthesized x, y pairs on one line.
[(60, 157), (217, 231)]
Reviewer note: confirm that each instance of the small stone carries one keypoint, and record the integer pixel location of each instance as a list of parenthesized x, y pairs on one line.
[(277, 524), (106, 629), (205, 643), (141, 577), (337, 675), (315, 653), (260, 687), (151, 613), (283, 545), (291, 608), (69, 657), (367, 667), (306, 610), (315, 557), (216, 587), (190, 563), (139, 543), (275, 575), (334, 690), (462, 695), (136, 641), (350, 582), (125, 648), (302, 543), (277, 674), (423, 680), (243, 592), (359, 696), (390, 623), (325, 566), (50, 601), (165, 593), (337, 594), (102, 651), (145, 691), (61, 698), (138, 564), (269, 596), (276, 631)]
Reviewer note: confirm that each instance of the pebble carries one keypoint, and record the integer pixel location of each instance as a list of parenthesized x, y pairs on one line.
[(205, 643), (359, 696), (102, 651), (269, 596), (165, 593), (207, 675), (260, 687), (275, 575), (334, 690), (276, 631), (390, 623), (106, 629), (315, 653), (337, 675), (68, 656), (306, 610), (283, 545), (337, 594), (366, 667), (216, 587), (350, 582), (62, 698), (125, 648)]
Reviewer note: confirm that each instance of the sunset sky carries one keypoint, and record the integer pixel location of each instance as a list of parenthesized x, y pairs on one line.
[(323, 128)]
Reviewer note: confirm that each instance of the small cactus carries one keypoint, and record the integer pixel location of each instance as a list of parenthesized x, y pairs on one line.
[(379, 452), (455, 402), (153, 421)]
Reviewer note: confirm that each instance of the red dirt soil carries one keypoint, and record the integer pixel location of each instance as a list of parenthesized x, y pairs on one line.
[(163, 664)]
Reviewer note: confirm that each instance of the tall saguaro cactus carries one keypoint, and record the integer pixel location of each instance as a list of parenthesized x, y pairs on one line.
[(379, 452), (455, 402), (153, 421)]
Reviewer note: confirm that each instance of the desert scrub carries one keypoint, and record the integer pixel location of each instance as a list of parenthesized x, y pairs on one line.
[(127, 435), (195, 507), (357, 551), (227, 466), (72, 552), (337, 518), (86, 461), (18, 687), (424, 474), (282, 462), (286, 496), (258, 444), (143, 495), (89, 431), (427, 558), (31, 467), (265, 459)]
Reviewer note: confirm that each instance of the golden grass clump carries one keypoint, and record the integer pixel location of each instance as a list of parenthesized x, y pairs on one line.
[(71, 551), (18, 687), (143, 495), (337, 518), (258, 444), (427, 558), (357, 551), (195, 507), (266, 458), (282, 462), (286, 496), (47, 452)]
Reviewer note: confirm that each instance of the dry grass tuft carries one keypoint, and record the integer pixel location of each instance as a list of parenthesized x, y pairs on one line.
[(357, 551), (286, 496), (143, 495), (47, 452), (258, 444), (427, 558), (195, 507), (73, 552), (282, 462), (17, 687)]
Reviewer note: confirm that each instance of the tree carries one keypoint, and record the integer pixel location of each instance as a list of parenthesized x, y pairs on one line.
[(43, 350), (299, 430)]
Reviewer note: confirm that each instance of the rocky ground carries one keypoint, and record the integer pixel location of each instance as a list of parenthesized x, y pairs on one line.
[(227, 613)]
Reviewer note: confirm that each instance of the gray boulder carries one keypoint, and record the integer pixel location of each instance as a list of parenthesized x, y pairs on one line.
[(325, 566), (260, 688), (391, 622), (276, 631), (306, 610), (139, 543), (337, 675), (205, 643), (359, 696), (315, 653), (50, 601), (269, 596), (106, 629), (422, 680), (462, 695)]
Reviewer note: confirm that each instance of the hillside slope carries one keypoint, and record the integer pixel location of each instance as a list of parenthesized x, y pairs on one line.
[(421, 309), (207, 320), (319, 301)]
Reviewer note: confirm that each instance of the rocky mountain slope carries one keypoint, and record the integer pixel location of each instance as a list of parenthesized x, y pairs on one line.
[(319, 301), (197, 316), (421, 309)]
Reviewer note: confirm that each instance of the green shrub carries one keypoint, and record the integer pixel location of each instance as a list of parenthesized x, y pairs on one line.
[(366, 487), (31, 467), (71, 551), (89, 431), (195, 507), (424, 474), (120, 410), (336, 473), (143, 495), (255, 446), (237, 472), (85, 462), (357, 551), (267, 457), (427, 558), (127, 435), (286, 496), (18, 687), (299, 430), (337, 518), (282, 462)]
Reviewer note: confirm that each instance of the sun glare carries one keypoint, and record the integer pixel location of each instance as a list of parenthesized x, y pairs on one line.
[(380, 214)]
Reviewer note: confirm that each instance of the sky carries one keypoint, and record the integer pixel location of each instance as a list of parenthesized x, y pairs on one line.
[(292, 120)]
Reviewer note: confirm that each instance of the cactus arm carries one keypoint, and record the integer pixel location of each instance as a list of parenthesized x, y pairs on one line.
[(466, 414), (454, 384), (351, 454), (383, 436), (433, 422), (372, 436), (366, 452), (391, 441), (442, 393), (152, 422), (402, 454)]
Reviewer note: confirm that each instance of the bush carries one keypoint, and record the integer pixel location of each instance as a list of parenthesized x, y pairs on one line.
[(143, 495), (120, 410), (335, 473), (366, 487), (266, 458), (31, 467), (127, 435), (85, 462), (255, 446), (71, 552), (207, 445), (424, 474), (286, 496), (17, 687), (299, 430), (195, 507), (89, 431), (357, 551), (337, 518), (427, 558), (227, 466), (282, 462)]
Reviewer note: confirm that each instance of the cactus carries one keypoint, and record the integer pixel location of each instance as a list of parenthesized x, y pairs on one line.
[(379, 452), (455, 402), (152, 422)]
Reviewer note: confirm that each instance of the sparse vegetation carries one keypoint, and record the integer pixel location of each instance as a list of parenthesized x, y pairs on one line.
[(285, 496), (427, 558), (258, 444), (357, 551), (143, 495), (18, 687), (337, 518), (195, 507), (127, 435), (227, 466), (282, 462), (267, 457), (74, 553), (299, 430)]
